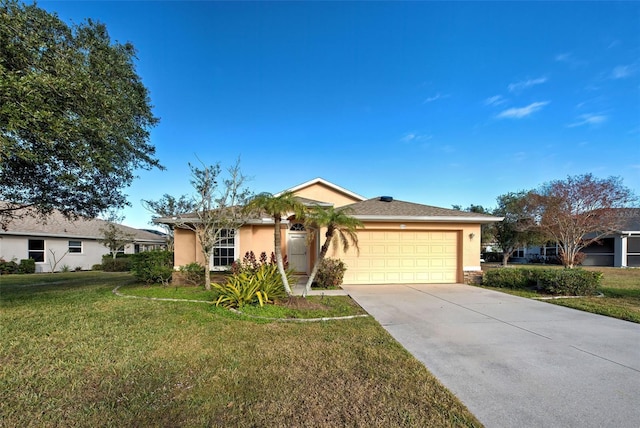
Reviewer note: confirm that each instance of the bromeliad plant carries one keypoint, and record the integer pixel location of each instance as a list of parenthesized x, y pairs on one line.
[(262, 286)]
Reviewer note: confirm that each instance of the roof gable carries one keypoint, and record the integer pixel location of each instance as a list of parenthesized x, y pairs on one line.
[(322, 190)]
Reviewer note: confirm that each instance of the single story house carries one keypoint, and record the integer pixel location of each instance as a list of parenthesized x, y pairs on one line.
[(401, 242), (57, 241), (619, 249)]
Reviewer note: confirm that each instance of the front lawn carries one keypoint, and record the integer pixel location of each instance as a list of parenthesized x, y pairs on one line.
[(74, 354), (620, 288)]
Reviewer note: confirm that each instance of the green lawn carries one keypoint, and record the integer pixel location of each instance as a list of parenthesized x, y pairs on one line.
[(74, 354), (620, 289)]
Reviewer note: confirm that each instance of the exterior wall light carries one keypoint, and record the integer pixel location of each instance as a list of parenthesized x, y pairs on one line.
[(471, 235)]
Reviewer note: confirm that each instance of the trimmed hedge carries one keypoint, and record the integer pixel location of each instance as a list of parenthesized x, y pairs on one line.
[(27, 266), (569, 282), (8, 267), (120, 264), (563, 282), (508, 278), (152, 266)]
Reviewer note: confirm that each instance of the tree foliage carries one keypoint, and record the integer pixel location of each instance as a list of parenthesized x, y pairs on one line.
[(486, 230), (341, 230), (517, 229), (114, 237), (578, 211), (168, 206), (277, 206), (218, 206), (74, 115)]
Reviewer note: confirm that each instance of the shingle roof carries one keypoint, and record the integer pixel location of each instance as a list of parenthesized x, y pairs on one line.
[(57, 225), (630, 219), (377, 209)]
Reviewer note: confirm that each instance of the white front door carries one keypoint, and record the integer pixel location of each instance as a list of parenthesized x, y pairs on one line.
[(297, 245)]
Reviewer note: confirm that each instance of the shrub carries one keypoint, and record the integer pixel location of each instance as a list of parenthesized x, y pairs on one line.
[(192, 274), (568, 282), (27, 266), (508, 278), (153, 266), (116, 265), (246, 288), (8, 267), (330, 273), (97, 267)]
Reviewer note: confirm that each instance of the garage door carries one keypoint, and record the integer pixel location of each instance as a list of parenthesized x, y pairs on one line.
[(403, 257)]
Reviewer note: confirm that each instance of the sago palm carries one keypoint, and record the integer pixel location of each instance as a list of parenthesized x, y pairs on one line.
[(341, 230), (276, 207)]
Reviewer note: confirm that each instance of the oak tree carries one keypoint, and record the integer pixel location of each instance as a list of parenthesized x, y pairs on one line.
[(74, 116)]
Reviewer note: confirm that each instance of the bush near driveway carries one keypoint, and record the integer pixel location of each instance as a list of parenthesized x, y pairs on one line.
[(73, 354), (620, 288), (560, 282)]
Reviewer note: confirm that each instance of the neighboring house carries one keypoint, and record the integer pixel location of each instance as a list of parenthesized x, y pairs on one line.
[(401, 242), (59, 241), (620, 249)]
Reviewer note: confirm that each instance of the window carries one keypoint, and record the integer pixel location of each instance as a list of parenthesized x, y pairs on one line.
[(297, 227), (36, 250), (224, 250), (75, 247)]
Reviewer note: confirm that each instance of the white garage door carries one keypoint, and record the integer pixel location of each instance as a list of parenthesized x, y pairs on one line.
[(403, 257)]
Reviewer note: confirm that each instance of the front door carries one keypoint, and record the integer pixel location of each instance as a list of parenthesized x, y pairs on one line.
[(297, 245)]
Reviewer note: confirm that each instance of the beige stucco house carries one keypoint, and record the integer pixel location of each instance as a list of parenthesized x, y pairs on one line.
[(401, 242)]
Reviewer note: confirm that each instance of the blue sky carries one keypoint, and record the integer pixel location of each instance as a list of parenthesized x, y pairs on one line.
[(437, 103)]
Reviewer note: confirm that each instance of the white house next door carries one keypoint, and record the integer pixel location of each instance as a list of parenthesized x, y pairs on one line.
[(297, 245)]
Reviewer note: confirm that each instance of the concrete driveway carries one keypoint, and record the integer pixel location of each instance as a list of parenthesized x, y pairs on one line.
[(516, 362)]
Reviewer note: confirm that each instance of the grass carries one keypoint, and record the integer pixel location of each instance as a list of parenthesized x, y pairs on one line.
[(74, 354), (620, 288)]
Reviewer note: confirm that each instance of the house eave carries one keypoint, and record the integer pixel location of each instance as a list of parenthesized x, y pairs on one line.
[(429, 219), (72, 236), (48, 235)]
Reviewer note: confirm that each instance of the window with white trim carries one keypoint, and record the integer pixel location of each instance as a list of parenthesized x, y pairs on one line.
[(75, 247), (224, 250), (36, 250)]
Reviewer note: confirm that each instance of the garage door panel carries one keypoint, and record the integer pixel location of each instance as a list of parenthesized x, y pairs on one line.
[(403, 257)]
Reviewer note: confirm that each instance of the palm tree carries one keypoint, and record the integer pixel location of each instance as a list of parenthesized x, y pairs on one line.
[(276, 207), (341, 229)]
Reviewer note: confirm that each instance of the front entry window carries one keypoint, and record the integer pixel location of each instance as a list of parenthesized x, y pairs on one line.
[(297, 227)]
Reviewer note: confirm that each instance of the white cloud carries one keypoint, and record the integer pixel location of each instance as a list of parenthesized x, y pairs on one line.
[(519, 113), (413, 137), (622, 71), (589, 119), (569, 59), (436, 97), (519, 86), (495, 100)]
